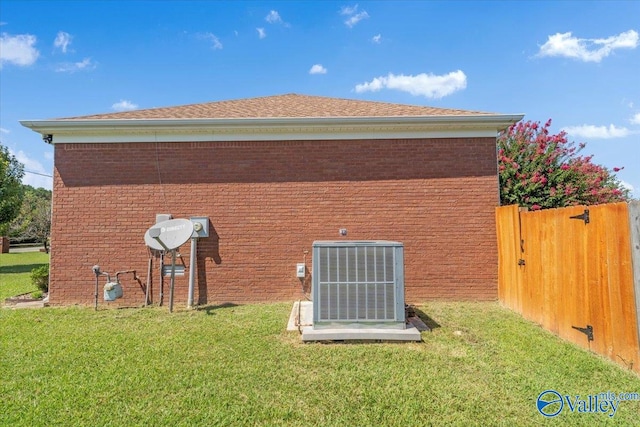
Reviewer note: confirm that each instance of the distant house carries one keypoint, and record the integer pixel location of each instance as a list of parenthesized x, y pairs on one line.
[(274, 174)]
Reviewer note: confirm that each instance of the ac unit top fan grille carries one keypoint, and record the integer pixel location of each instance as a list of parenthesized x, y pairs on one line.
[(359, 283)]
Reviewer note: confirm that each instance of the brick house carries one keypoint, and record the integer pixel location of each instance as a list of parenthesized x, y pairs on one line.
[(274, 174)]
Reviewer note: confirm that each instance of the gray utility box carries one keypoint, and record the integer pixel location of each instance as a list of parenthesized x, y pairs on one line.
[(358, 284)]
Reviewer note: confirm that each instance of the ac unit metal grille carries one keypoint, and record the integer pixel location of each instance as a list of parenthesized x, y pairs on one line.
[(358, 282)]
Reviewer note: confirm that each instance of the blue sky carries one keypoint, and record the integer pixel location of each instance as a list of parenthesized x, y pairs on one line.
[(577, 63)]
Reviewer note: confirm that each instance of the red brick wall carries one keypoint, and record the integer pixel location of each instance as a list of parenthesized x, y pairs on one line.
[(268, 202)]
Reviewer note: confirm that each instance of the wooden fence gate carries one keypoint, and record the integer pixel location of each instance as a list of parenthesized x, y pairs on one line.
[(572, 271)]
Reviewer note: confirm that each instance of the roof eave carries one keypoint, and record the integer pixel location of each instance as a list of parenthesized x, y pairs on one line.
[(116, 130)]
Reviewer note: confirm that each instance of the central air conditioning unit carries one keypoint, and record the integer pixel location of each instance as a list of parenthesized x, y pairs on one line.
[(358, 284)]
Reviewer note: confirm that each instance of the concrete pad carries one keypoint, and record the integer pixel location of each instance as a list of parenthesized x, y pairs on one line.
[(301, 318), (28, 304), (341, 334), (301, 315)]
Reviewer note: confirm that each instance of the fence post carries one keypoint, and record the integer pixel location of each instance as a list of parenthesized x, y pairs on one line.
[(4, 244)]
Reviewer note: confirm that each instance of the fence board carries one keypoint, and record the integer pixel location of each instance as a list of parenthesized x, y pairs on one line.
[(508, 234), (574, 274), (634, 225)]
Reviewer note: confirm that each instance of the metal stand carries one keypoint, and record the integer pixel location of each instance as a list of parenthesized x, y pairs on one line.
[(147, 290)]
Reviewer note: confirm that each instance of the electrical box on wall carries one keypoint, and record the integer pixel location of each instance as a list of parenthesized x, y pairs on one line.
[(200, 226), (301, 270), (163, 217)]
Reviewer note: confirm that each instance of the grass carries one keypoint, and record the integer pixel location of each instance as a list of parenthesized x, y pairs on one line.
[(236, 365), (15, 269)]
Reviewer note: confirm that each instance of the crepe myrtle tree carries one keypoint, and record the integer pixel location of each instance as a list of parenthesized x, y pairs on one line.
[(540, 170)]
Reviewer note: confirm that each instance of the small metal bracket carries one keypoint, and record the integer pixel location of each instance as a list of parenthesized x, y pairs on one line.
[(584, 216), (588, 331)]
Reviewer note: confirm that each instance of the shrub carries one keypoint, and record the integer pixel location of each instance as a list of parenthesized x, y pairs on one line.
[(40, 277)]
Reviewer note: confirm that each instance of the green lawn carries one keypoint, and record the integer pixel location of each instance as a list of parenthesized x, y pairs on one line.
[(236, 365), (15, 270)]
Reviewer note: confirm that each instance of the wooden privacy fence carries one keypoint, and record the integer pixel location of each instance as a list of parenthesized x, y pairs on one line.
[(576, 272)]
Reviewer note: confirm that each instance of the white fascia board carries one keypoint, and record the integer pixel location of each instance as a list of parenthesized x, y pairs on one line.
[(270, 129)]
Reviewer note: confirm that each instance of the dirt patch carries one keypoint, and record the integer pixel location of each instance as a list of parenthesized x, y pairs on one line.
[(22, 298)]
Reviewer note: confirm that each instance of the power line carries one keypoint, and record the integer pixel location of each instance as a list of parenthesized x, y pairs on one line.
[(38, 173)]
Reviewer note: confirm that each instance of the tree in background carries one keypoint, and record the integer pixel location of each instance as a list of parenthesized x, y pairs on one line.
[(34, 221), (540, 170), (11, 191)]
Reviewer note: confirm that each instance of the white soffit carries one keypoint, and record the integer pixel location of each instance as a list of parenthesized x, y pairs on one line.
[(202, 130)]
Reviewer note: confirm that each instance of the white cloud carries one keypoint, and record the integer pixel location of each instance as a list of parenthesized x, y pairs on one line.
[(71, 67), (376, 39), (62, 41), (346, 10), (635, 119), (427, 85), (587, 50), (597, 132), (213, 39), (273, 17), (18, 50), (124, 105), (3, 130), (32, 165), (628, 186), (318, 69), (261, 33), (354, 17)]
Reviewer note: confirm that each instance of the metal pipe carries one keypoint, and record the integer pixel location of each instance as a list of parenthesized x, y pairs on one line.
[(95, 294), (192, 271), (98, 273), (173, 278), (161, 278), (135, 276)]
